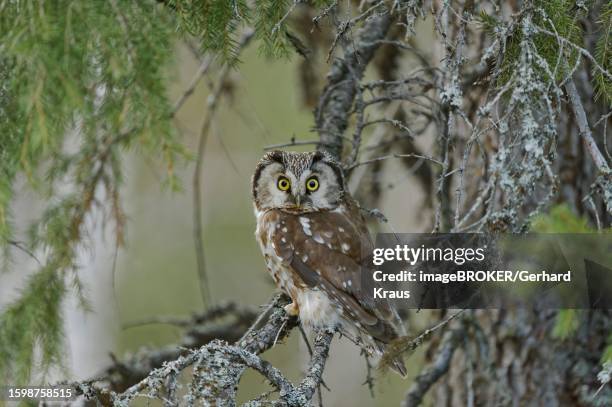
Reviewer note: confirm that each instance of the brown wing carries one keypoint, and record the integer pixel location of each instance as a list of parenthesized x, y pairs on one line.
[(327, 250)]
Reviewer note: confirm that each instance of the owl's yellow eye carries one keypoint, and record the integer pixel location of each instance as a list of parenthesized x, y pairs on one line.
[(312, 184), (283, 184)]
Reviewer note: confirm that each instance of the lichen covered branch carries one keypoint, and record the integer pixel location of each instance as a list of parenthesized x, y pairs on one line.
[(430, 374), (343, 79)]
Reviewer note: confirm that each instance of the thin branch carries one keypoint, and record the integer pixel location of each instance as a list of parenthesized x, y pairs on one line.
[(583, 51), (406, 344), (213, 102), (280, 22), (369, 378), (292, 143), (21, 246), (215, 312), (386, 157), (585, 130), (202, 70)]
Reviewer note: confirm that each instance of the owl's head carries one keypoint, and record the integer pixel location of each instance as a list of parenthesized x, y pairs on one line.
[(297, 182)]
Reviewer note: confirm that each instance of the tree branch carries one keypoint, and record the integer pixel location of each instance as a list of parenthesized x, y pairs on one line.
[(304, 392), (343, 79), (215, 375), (433, 372), (583, 126), (226, 321)]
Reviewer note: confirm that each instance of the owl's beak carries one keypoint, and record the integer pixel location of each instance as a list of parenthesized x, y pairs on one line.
[(298, 201)]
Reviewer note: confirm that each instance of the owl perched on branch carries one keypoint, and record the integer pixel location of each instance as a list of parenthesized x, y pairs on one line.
[(316, 244)]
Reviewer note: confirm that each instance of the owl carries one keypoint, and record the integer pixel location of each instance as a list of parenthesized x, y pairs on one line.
[(316, 246)]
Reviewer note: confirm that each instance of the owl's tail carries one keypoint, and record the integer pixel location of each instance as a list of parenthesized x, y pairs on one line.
[(398, 366), (394, 362), (386, 332)]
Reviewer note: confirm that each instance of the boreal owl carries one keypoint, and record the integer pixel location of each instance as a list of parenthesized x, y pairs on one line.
[(316, 244)]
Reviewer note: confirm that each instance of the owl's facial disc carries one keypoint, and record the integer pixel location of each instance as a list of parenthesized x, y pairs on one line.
[(297, 183), (318, 188), (301, 192)]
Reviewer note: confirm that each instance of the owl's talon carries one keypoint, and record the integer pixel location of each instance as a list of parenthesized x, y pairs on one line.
[(292, 309)]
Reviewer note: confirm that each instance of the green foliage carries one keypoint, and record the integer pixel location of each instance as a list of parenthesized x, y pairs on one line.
[(566, 324), (488, 21), (560, 219), (217, 24), (607, 354), (268, 29), (603, 55), (34, 319), (81, 83), (9, 153), (552, 15)]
